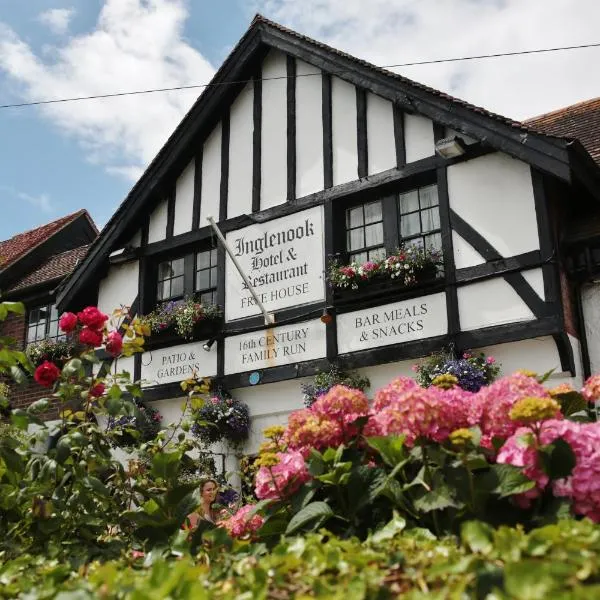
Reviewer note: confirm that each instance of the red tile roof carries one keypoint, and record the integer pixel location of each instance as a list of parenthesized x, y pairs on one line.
[(19, 245), (580, 121), (56, 267)]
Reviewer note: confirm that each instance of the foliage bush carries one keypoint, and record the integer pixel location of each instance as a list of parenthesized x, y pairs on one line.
[(428, 492)]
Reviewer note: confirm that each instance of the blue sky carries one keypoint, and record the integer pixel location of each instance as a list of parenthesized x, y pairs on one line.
[(58, 159)]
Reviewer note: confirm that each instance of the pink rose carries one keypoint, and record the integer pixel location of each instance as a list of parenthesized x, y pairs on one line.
[(47, 373), (68, 322), (90, 337), (93, 318), (114, 343)]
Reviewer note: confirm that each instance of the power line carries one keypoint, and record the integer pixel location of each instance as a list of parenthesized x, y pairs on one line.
[(243, 81)]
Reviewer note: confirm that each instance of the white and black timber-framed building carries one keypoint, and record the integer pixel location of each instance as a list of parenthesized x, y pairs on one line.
[(291, 137)]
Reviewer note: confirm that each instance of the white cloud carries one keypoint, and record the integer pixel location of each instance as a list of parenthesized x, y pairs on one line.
[(40, 201), (57, 19), (135, 45), (399, 31)]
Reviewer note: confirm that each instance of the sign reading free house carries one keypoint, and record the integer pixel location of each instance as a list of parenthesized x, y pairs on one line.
[(176, 363), (395, 323), (284, 261), (275, 347)]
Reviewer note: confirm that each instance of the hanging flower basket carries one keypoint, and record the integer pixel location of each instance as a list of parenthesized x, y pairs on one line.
[(130, 431), (222, 418), (58, 352)]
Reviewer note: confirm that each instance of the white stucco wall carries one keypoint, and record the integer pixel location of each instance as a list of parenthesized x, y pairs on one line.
[(157, 229), (119, 287), (241, 126), (464, 254), (418, 137), (211, 176), (494, 194), (274, 131), (380, 134), (491, 302), (344, 131), (590, 299), (184, 200), (309, 130)]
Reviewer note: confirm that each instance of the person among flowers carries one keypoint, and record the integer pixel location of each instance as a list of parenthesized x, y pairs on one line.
[(206, 511)]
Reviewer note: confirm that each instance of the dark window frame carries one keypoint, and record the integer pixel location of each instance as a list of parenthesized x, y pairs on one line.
[(47, 323), (389, 197), (189, 276)]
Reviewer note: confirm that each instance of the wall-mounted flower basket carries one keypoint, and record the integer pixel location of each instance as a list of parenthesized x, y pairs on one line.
[(182, 321), (406, 269), (56, 351)]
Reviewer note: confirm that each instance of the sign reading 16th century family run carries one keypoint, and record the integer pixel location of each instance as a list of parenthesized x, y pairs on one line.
[(275, 347), (284, 261), (395, 323)]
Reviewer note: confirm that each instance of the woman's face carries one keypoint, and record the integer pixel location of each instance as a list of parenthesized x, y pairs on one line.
[(209, 491)]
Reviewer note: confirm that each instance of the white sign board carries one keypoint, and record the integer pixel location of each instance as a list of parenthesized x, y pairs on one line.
[(395, 323), (284, 259), (177, 363), (275, 347)]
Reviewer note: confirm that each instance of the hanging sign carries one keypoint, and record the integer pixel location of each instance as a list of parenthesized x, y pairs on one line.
[(395, 323), (275, 347), (177, 363), (284, 261)]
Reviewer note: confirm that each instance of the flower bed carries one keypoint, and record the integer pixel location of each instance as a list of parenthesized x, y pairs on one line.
[(407, 267), (182, 317)]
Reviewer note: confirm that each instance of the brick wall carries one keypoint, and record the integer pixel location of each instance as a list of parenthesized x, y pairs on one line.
[(22, 396)]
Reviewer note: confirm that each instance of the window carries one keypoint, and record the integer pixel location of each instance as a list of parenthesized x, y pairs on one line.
[(379, 227), (43, 324), (171, 279), (364, 232), (189, 275), (206, 276), (419, 215)]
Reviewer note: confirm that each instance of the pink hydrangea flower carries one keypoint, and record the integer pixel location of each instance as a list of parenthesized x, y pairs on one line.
[(398, 386), (307, 429), (497, 399), (342, 405), (583, 485), (591, 389), (241, 524), (283, 479)]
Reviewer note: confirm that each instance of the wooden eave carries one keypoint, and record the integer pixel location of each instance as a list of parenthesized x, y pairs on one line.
[(558, 157)]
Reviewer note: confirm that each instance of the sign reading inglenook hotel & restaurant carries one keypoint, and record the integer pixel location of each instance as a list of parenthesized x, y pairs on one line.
[(284, 260)]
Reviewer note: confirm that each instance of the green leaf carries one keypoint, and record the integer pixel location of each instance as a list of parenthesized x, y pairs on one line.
[(390, 448), (20, 419), (95, 484), (18, 308), (72, 368), (389, 530), (315, 511), (440, 497), (558, 459), (39, 406), (477, 536), (511, 480), (166, 465), (18, 375), (535, 580), (571, 403)]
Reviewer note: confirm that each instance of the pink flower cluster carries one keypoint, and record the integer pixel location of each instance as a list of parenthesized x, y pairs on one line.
[(591, 389), (583, 485), (283, 479), (404, 408), (496, 400), (241, 524), (328, 422)]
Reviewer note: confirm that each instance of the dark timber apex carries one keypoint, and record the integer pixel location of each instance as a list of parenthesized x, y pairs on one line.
[(558, 157)]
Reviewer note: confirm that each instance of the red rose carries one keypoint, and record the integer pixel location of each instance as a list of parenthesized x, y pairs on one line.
[(90, 337), (93, 318), (97, 390), (68, 322), (47, 373), (114, 343)]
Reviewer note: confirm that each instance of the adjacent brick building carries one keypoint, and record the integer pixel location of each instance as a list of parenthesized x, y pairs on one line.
[(32, 266)]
